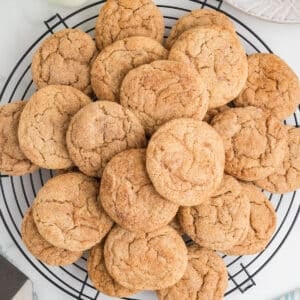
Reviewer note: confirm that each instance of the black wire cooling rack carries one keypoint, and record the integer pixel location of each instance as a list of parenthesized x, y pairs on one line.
[(17, 193)]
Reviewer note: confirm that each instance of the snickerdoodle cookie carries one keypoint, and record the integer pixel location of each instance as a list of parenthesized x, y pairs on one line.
[(204, 279), (98, 132), (44, 122), (119, 19), (162, 91), (12, 160), (145, 261), (185, 161), (128, 196), (198, 17), (262, 223), (219, 58), (67, 213), (43, 250), (219, 222), (271, 85), (64, 58), (100, 277), (255, 142), (116, 60), (287, 176)]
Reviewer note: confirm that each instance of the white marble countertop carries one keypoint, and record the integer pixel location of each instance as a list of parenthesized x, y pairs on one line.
[(22, 22)]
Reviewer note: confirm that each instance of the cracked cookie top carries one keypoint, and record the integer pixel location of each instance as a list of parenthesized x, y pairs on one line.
[(271, 85), (162, 91), (12, 160), (119, 19), (145, 261), (64, 58), (198, 17), (116, 60), (100, 277), (287, 176), (128, 196), (219, 222), (262, 223), (185, 161), (255, 142), (43, 250), (44, 122), (98, 132), (205, 278), (219, 58), (67, 213)]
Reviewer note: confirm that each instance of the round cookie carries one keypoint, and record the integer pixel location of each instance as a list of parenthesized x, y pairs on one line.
[(287, 177), (262, 223), (204, 279), (100, 277), (67, 213), (255, 142), (185, 161), (116, 60), (213, 112), (64, 59), (12, 160), (145, 261), (271, 85), (162, 91), (218, 57), (44, 122), (198, 17), (43, 250), (98, 132), (219, 222), (119, 19), (128, 196)]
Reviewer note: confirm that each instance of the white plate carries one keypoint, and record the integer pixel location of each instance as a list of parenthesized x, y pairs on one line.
[(280, 11)]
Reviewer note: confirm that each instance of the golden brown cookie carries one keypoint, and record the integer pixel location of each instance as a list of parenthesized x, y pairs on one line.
[(219, 222), (287, 177), (162, 91), (128, 196), (119, 19), (12, 160), (262, 223), (204, 279), (198, 17), (98, 132), (44, 122), (116, 60), (185, 161), (271, 85), (67, 213), (145, 261), (255, 142), (218, 57), (43, 250), (213, 112), (100, 277), (64, 58)]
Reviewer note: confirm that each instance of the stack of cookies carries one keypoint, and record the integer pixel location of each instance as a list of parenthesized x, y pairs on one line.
[(177, 143)]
